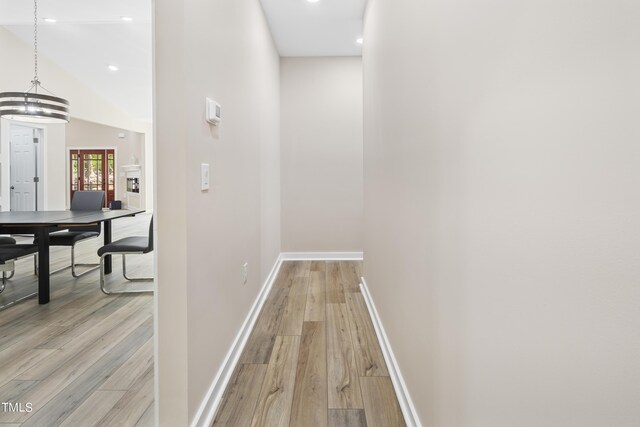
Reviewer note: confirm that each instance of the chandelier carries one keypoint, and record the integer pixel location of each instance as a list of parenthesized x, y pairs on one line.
[(32, 105)]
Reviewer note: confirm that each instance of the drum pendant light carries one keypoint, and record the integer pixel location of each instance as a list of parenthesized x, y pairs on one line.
[(30, 105)]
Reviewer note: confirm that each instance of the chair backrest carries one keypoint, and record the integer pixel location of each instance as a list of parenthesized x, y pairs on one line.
[(86, 200)]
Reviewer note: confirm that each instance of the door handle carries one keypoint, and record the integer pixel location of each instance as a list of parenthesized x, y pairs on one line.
[(13, 188)]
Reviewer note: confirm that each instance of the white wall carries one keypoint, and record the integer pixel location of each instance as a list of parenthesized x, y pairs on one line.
[(321, 154), (223, 50), (502, 207)]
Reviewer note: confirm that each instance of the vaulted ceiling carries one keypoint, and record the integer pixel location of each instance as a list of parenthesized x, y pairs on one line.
[(87, 37)]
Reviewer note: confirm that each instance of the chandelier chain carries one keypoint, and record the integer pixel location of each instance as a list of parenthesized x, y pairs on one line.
[(35, 40)]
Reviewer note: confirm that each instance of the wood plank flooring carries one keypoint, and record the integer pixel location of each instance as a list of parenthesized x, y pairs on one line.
[(313, 358), (84, 359)]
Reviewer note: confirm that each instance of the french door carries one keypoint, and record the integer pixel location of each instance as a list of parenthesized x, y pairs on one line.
[(93, 170)]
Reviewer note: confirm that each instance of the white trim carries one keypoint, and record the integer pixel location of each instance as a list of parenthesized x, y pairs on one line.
[(209, 406), (324, 256), (404, 399)]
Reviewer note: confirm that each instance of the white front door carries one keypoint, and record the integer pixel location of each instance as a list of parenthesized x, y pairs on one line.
[(23, 169)]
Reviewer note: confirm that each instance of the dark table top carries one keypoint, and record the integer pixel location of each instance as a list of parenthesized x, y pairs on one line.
[(41, 218)]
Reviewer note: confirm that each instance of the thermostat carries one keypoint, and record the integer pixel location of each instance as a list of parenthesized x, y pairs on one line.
[(213, 112)]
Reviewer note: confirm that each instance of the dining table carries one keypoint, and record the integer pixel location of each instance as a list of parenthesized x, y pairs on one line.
[(41, 223)]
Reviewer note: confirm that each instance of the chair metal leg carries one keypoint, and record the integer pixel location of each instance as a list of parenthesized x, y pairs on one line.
[(5, 278), (4, 274), (17, 300), (72, 266), (132, 279), (4, 283), (124, 267)]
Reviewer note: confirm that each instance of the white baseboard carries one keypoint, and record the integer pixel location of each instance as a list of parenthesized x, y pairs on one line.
[(321, 256), (208, 407), (404, 399)]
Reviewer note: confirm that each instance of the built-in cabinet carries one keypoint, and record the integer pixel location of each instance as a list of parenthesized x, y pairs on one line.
[(133, 184)]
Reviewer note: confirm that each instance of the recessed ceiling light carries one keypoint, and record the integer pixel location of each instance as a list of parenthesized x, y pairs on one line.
[(313, 1), (360, 40), (113, 68), (126, 18), (50, 20)]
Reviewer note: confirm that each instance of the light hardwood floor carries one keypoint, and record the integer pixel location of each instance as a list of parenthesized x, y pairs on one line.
[(313, 358), (84, 359)]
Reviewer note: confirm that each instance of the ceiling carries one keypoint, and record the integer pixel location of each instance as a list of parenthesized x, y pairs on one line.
[(323, 28), (90, 35)]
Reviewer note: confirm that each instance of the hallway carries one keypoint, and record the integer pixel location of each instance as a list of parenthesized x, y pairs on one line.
[(313, 358)]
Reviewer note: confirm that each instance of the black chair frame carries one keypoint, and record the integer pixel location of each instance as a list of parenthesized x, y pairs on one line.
[(123, 250)]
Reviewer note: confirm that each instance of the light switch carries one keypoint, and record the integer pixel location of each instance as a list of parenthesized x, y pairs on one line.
[(204, 185)]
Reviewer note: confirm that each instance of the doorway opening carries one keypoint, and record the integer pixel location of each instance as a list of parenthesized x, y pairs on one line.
[(93, 169)]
